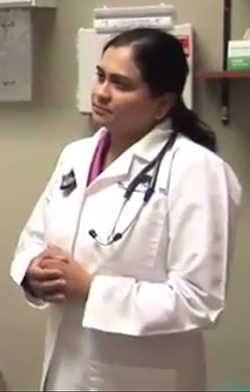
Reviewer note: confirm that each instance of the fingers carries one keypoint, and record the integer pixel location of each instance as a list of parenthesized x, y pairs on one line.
[(54, 264), (51, 252), (38, 269), (54, 298), (56, 288), (42, 274), (45, 275), (55, 252)]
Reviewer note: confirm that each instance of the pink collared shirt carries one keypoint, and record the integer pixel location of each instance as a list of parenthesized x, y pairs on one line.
[(96, 165)]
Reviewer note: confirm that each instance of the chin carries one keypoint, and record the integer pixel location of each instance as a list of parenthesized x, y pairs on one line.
[(99, 121)]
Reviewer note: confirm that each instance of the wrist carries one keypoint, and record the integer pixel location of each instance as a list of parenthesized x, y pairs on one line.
[(26, 286)]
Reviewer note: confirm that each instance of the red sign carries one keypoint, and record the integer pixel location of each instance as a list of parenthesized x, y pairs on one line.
[(185, 41)]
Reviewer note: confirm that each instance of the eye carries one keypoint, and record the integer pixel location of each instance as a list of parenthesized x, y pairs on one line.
[(122, 84), (100, 76)]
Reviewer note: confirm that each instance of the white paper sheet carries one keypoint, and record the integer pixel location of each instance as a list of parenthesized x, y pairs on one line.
[(15, 55)]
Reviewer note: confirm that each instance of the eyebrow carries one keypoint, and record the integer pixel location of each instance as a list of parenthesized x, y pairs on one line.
[(99, 68), (115, 75)]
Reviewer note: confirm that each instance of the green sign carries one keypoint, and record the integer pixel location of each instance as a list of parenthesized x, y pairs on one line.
[(233, 386)]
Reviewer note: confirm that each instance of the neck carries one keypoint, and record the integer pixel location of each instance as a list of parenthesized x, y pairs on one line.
[(122, 141), (116, 148), (119, 145)]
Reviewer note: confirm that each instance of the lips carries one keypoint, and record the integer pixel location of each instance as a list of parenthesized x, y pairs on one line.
[(101, 109)]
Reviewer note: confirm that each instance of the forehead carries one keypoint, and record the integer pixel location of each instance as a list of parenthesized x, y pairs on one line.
[(120, 61)]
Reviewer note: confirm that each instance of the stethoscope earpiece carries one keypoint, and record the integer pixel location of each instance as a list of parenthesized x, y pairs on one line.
[(93, 233), (117, 237), (114, 238)]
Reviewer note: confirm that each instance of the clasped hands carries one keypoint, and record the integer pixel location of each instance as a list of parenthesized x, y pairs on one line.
[(55, 276)]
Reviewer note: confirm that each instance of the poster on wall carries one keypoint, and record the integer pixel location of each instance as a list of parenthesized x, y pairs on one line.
[(15, 55)]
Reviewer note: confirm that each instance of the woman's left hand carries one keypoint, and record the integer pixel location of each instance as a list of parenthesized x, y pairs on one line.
[(78, 279)]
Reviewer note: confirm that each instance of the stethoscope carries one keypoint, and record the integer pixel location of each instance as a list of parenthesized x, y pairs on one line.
[(139, 179)]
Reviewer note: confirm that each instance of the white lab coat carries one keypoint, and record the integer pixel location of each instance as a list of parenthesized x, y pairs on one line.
[(154, 291)]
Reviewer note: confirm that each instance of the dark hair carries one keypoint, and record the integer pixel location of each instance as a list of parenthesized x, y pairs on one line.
[(163, 65)]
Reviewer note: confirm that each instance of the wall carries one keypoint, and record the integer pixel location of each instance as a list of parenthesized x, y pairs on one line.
[(32, 135)]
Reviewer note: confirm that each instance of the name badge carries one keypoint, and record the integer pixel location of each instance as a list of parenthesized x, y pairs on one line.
[(68, 183)]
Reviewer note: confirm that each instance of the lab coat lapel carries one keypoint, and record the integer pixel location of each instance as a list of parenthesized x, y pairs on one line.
[(78, 164), (119, 170), (148, 148), (83, 159), (132, 160)]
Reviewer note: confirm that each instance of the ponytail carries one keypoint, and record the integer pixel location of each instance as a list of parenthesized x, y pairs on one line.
[(187, 123)]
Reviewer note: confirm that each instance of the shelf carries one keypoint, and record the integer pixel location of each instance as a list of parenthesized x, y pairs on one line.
[(27, 4), (223, 76), (206, 75)]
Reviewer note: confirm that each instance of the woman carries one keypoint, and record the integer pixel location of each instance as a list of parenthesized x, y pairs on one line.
[(132, 284)]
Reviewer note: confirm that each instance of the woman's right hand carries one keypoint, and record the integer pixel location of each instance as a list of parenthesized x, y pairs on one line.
[(46, 284)]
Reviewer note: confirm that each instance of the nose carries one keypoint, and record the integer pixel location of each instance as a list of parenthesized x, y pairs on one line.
[(103, 92)]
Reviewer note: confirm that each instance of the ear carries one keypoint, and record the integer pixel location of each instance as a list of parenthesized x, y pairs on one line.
[(164, 105)]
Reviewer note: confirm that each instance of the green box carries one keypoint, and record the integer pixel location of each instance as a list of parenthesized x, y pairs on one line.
[(238, 58)]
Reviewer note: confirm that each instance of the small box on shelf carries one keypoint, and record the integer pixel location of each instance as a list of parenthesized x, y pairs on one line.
[(238, 56)]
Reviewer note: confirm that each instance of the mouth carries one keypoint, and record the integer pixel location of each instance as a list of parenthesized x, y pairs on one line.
[(100, 109)]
